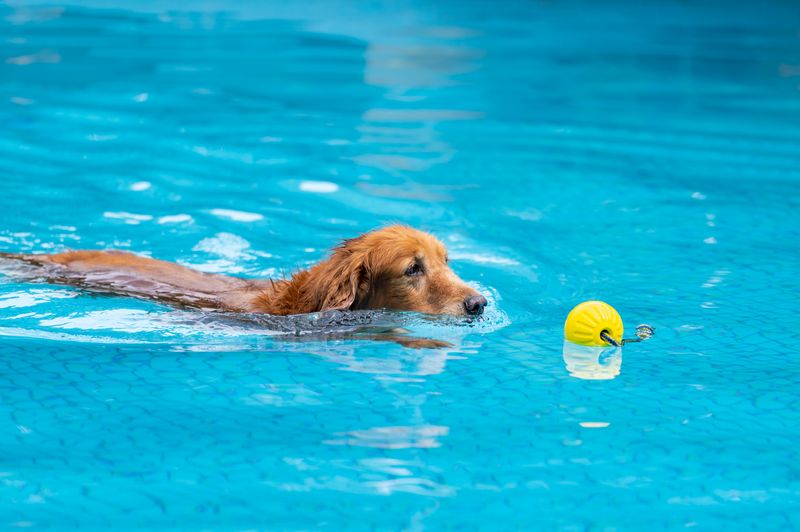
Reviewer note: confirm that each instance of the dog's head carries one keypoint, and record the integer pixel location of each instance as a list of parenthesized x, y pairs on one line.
[(396, 268)]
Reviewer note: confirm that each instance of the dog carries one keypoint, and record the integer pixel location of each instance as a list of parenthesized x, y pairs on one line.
[(396, 268)]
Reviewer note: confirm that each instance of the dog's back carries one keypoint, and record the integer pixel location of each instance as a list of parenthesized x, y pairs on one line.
[(129, 274)]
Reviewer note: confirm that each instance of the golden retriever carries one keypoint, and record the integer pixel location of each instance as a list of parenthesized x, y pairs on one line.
[(396, 267)]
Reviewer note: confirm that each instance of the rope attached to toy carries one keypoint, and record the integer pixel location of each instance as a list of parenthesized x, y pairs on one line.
[(643, 332)]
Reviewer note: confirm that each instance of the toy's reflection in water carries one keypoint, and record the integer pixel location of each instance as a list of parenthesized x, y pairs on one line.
[(592, 363)]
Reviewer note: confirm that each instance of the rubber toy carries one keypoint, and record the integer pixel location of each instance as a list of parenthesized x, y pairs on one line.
[(589, 321)]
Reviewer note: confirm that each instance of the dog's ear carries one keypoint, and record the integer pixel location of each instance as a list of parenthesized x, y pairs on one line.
[(339, 282)]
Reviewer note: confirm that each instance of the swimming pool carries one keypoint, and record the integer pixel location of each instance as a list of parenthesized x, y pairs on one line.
[(646, 156)]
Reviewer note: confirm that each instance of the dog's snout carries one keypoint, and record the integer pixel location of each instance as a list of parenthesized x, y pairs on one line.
[(474, 305)]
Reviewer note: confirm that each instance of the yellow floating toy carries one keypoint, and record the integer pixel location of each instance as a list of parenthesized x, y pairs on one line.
[(598, 324), (590, 321)]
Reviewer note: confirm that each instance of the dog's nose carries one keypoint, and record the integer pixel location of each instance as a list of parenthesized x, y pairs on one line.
[(474, 304)]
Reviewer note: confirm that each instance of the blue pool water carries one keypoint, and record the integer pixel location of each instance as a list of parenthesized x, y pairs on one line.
[(646, 156)]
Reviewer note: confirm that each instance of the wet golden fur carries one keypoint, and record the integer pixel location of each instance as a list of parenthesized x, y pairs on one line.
[(396, 267)]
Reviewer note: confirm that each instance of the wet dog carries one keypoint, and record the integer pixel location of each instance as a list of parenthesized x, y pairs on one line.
[(396, 267)]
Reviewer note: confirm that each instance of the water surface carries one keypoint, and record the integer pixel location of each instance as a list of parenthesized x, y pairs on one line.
[(646, 156)]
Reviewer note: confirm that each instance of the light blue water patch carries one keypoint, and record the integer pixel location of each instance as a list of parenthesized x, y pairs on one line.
[(648, 156)]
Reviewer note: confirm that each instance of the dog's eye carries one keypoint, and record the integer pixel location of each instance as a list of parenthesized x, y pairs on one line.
[(414, 270)]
